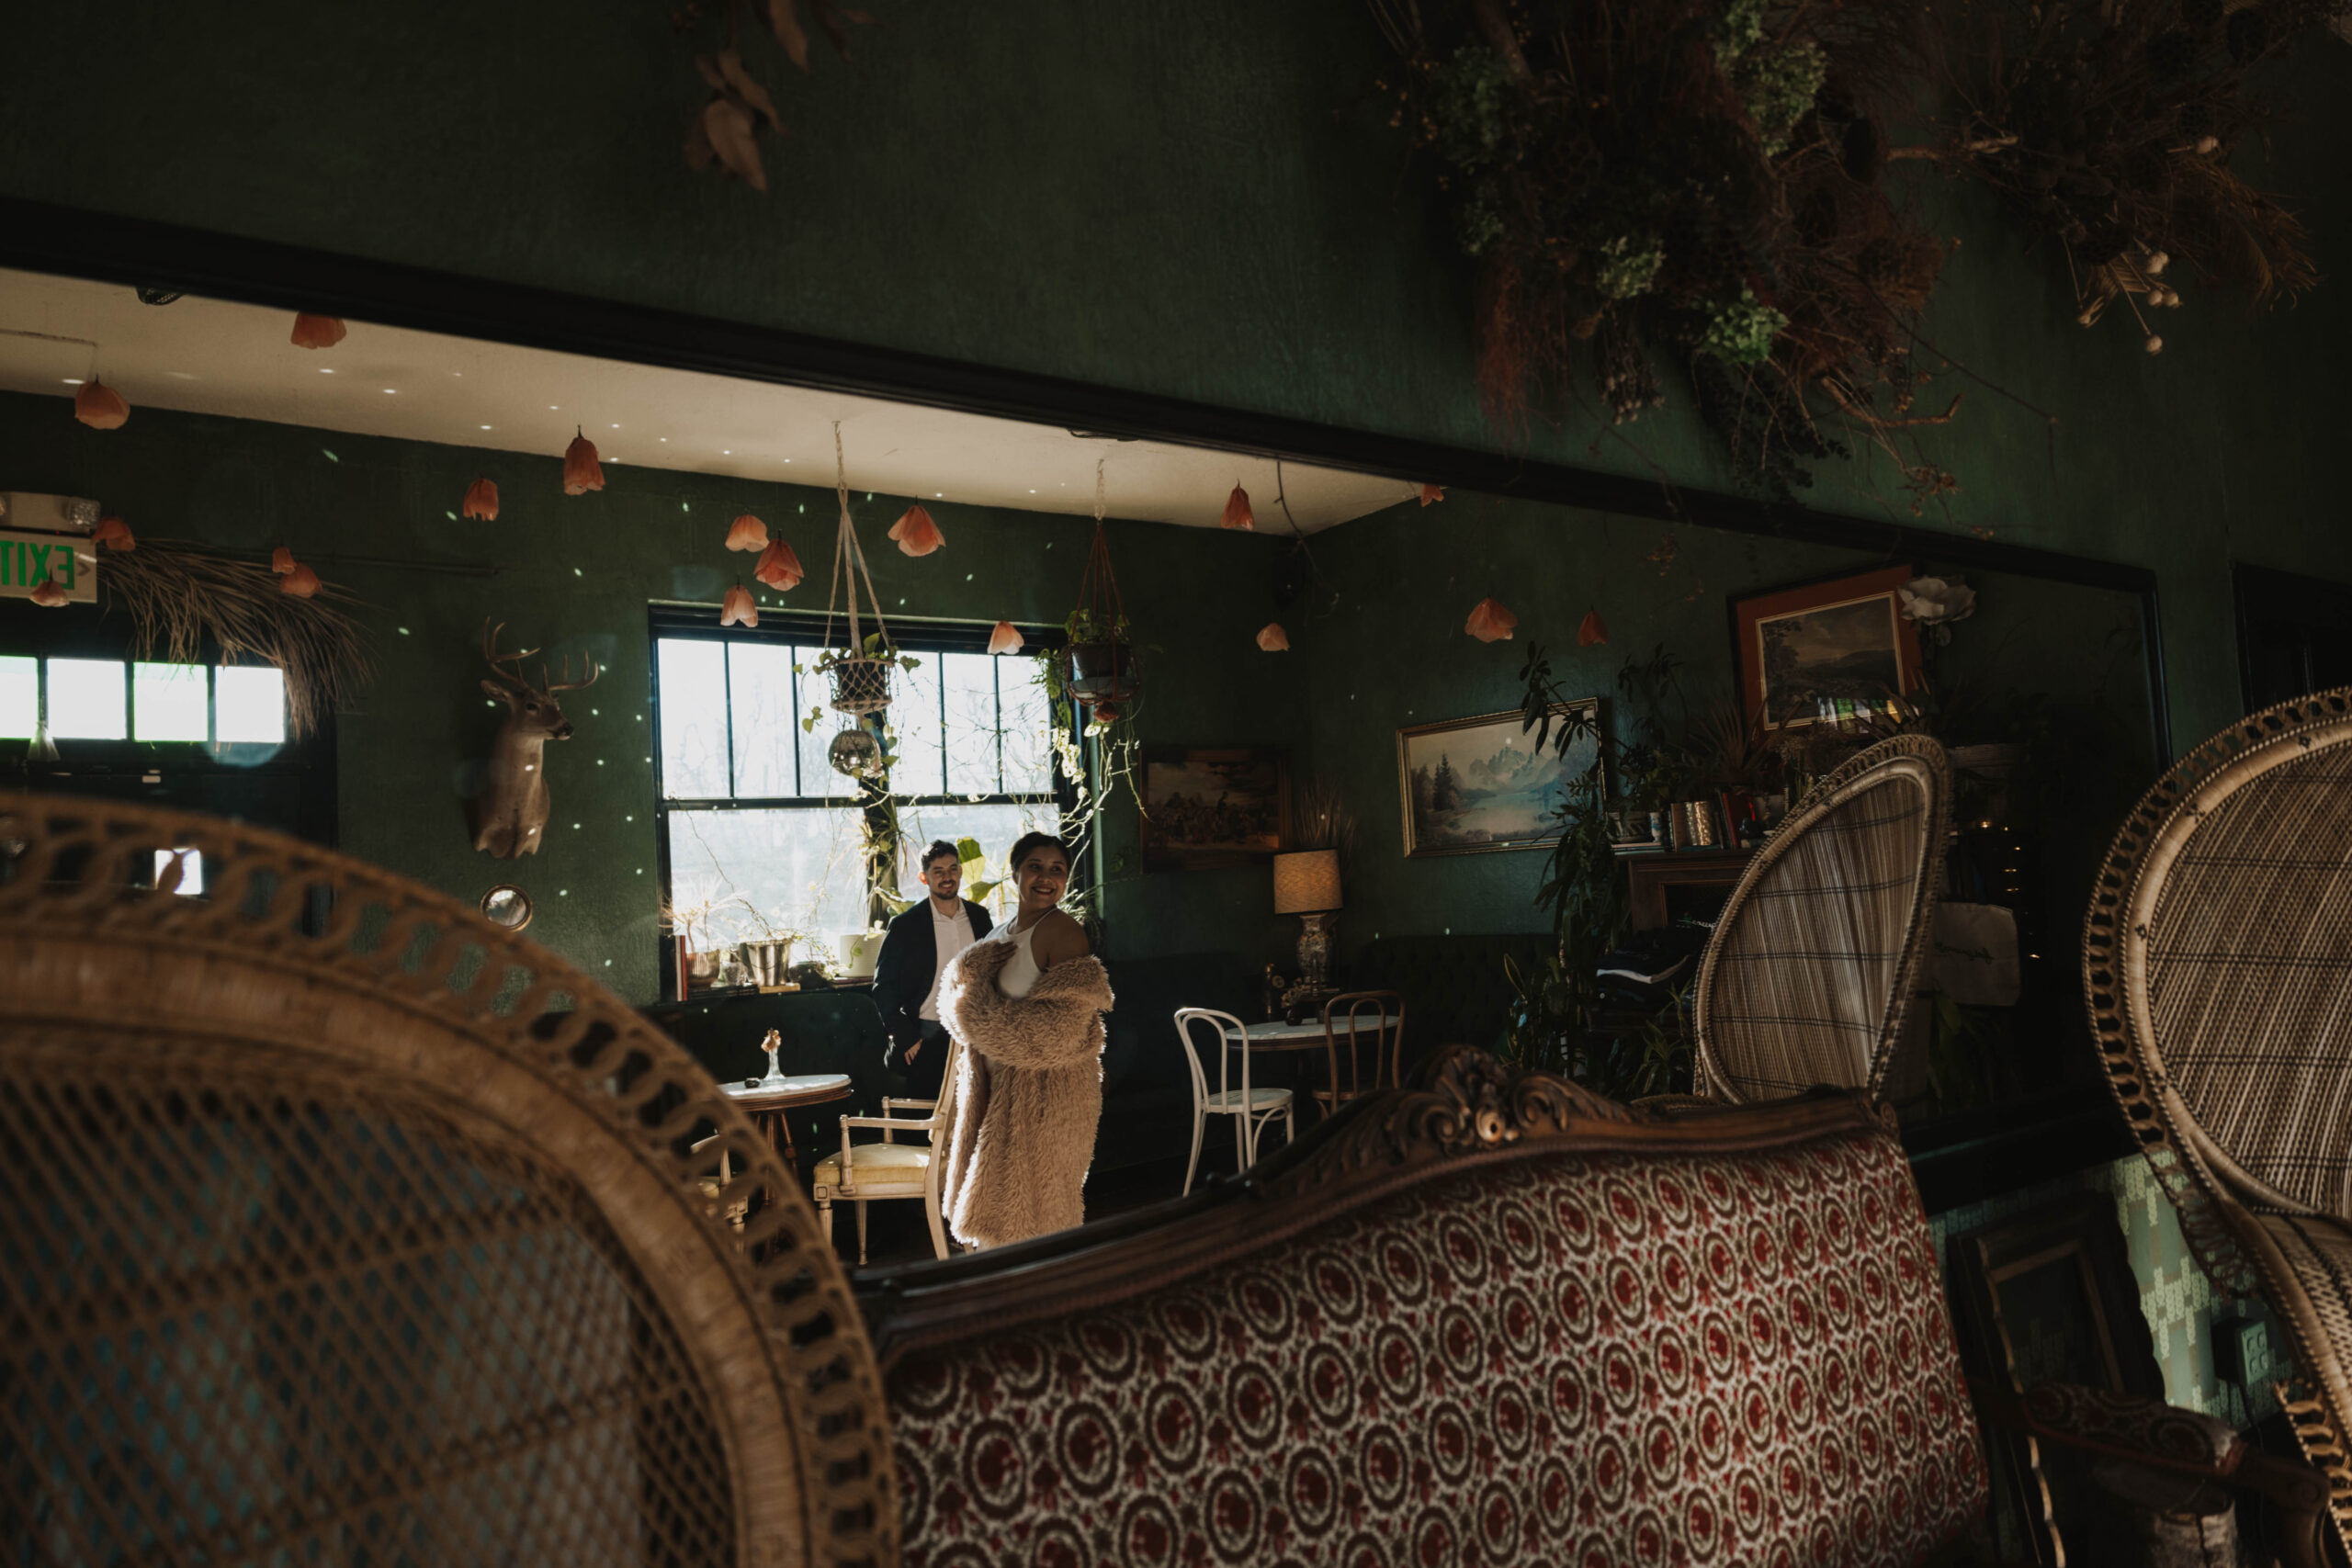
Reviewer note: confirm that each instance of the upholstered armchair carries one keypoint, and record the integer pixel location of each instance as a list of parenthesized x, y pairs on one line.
[(1808, 977), (1490, 1320), (340, 1224), (2217, 963)]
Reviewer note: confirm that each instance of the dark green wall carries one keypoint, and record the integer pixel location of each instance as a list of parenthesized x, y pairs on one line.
[(1203, 201), (1387, 649), (576, 574)]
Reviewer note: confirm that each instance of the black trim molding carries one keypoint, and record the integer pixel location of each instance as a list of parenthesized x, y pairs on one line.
[(44, 237)]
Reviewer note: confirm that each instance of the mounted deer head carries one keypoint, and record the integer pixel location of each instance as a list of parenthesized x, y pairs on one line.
[(510, 816)]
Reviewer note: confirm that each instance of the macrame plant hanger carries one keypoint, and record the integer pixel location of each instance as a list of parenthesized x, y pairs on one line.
[(1101, 671), (860, 681)]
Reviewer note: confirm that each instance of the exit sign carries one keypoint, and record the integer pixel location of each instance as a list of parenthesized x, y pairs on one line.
[(27, 560)]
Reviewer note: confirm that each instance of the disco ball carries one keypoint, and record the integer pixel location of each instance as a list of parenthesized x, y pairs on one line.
[(854, 752)]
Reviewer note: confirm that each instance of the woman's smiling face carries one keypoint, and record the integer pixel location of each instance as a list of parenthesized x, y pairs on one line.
[(1042, 874)]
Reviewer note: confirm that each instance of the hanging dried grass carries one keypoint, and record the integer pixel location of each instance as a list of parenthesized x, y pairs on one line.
[(181, 597)]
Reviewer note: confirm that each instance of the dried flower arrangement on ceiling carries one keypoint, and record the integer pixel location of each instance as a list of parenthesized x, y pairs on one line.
[(1704, 183), (2110, 127), (181, 597), (726, 128)]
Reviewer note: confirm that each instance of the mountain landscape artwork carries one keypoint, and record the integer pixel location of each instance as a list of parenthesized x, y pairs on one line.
[(1839, 652), (1479, 783)]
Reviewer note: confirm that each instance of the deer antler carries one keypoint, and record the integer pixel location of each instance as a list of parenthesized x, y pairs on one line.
[(568, 684), (489, 651)]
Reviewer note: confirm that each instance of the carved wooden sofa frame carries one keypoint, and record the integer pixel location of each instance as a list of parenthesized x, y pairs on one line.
[(991, 1359)]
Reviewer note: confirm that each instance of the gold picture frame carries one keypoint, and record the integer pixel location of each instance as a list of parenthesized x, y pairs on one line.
[(1476, 785)]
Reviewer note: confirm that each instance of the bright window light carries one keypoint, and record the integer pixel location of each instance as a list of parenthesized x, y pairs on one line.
[(85, 700), (249, 704), (191, 871), (19, 698), (167, 702)]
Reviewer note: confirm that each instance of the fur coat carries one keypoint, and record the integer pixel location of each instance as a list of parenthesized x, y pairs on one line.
[(1028, 1093)]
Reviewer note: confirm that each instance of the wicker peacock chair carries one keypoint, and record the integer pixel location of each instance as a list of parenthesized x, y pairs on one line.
[(338, 1224), (1809, 975), (2217, 962)]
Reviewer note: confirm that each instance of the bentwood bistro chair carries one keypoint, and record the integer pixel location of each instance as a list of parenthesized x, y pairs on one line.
[(1250, 1106), (1809, 976), (2217, 963), (337, 1222), (1357, 1023)]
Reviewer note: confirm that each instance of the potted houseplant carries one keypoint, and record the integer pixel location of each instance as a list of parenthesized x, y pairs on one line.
[(1100, 661)]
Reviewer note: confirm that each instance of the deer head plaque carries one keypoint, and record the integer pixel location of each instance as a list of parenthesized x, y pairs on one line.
[(510, 816)]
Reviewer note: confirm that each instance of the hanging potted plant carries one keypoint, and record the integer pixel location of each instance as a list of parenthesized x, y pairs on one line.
[(858, 666), (1098, 666)]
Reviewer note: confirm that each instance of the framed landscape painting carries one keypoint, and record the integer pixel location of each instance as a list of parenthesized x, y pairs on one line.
[(1469, 785), (1213, 808), (1827, 653)]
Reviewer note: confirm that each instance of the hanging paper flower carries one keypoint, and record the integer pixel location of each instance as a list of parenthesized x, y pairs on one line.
[(1237, 512), (1004, 640), (1105, 715), (482, 501), (301, 582), (736, 609), (1489, 622), (747, 532), (580, 473), (916, 533), (48, 596), (100, 406), (114, 534), (317, 332), (778, 567), (282, 560), (1273, 638), (1592, 631), (1433, 492)]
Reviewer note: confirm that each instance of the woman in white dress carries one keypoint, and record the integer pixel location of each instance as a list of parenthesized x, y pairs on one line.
[(1027, 1002)]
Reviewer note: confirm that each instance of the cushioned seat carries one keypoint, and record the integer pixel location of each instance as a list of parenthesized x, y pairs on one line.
[(883, 1170), (1257, 1098)]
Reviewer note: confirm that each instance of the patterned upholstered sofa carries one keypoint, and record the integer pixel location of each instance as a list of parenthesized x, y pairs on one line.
[(1494, 1320)]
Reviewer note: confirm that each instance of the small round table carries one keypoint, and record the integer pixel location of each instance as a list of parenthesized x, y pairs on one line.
[(770, 1099)]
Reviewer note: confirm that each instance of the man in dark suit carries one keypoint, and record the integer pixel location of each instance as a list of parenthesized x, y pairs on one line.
[(921, 945)]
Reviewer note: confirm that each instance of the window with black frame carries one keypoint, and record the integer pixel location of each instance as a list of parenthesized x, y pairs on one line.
[(761, 837)]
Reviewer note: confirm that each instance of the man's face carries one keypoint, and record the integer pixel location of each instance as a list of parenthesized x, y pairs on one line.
[(943, 877)]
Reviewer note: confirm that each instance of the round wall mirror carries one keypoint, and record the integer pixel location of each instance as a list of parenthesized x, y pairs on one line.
[(507, 905)]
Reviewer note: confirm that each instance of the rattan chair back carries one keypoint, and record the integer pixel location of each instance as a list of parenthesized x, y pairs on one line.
[(1810, 971), (339, 1224), (2217, 965), (2217, 959)]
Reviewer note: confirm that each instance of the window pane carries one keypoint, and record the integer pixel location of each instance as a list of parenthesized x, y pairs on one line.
[(738, 876), (971, 722), (694, 717), (1028, 721), (994, 825), (191, 871), (19, 696), (816, 775), (167, 702), (249, 703), (914, 714), (758, 674), (85, 699)]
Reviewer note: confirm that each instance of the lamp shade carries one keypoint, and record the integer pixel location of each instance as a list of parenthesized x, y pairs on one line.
[(1306, 882)]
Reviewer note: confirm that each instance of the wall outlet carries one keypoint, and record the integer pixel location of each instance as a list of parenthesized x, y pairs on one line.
[(2240, 1350)]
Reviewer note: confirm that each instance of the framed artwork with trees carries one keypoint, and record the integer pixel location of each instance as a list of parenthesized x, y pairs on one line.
[(1469, 785)]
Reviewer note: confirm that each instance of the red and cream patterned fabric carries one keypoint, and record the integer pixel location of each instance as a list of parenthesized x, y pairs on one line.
[(1589, 1360)]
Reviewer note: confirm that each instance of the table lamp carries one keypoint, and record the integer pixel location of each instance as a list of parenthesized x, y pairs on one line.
[(1307, 884)]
